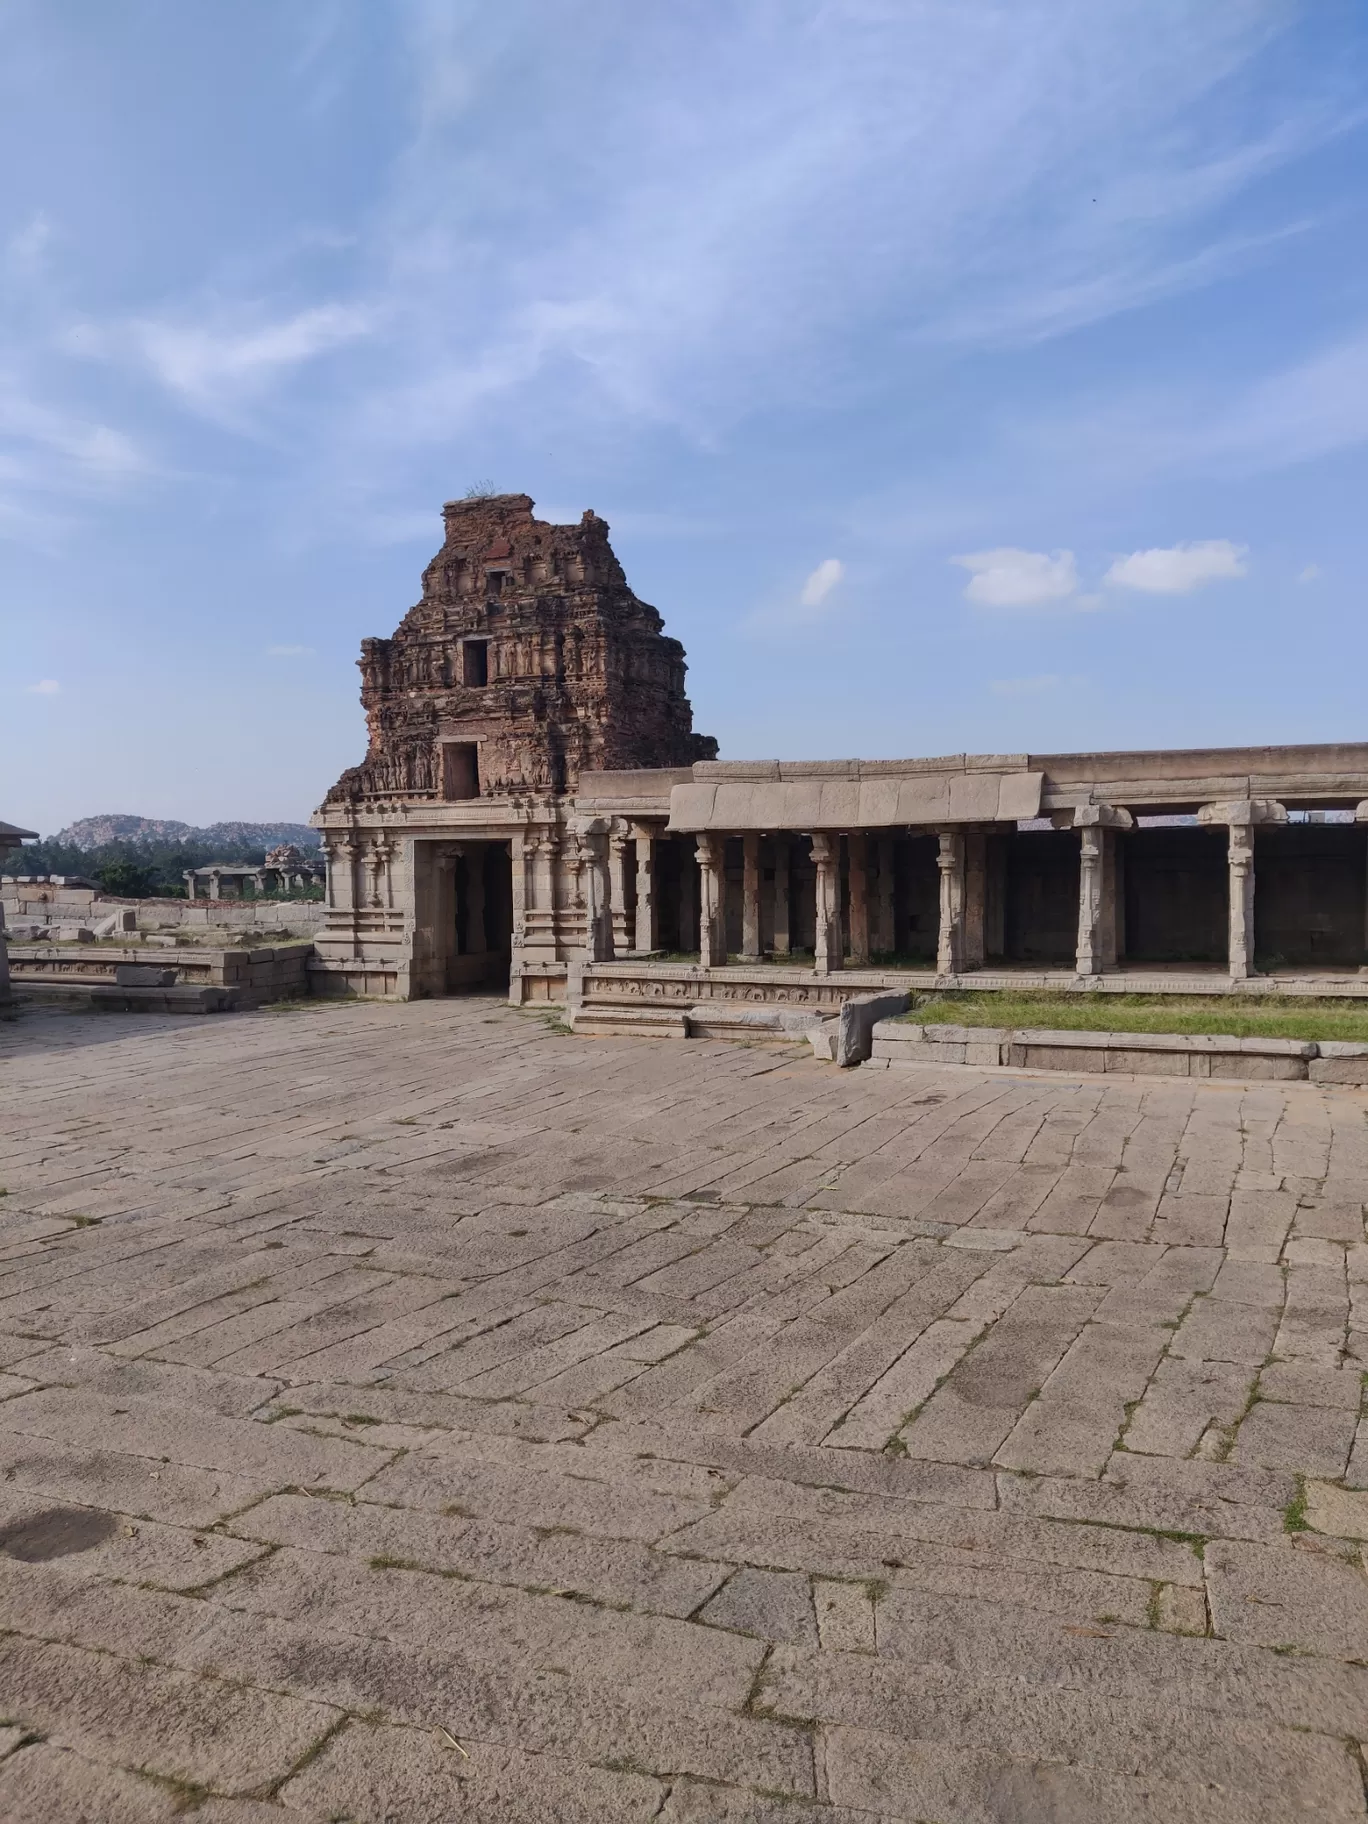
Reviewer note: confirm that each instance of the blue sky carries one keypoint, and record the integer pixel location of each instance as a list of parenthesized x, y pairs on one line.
[(953, 374)]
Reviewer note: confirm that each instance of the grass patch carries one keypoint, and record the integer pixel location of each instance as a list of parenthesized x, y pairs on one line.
[(1240, 1016), (1294, 1514)]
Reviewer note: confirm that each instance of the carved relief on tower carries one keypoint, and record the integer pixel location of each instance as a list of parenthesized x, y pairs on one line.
[(529, 647)]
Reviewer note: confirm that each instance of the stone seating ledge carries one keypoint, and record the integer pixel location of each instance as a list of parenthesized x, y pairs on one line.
[(897, 1043)]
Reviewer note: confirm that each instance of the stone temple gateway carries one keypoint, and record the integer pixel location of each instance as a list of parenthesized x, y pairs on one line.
[(534, 808)]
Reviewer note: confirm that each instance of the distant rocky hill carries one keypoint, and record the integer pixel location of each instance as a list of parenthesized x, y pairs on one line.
[(95, 832)]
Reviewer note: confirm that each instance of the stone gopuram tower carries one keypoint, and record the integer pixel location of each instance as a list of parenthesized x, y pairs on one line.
[(527, 662), (454, 849)]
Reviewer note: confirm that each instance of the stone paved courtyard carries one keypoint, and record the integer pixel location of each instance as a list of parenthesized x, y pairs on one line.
[(414, 1413)]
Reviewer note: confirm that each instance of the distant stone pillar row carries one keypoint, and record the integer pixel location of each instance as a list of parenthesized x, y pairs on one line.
[(826, 855), (712, 934)]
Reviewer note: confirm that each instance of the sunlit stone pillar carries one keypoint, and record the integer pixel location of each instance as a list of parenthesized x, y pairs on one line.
[(712, 936), (646, 935), (950, 940), (829, 948), (857, 855), (1097, 826), (1241, 816), (591, 837), (750, 896)]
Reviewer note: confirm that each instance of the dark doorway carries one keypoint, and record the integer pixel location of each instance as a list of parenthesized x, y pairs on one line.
[(1177, 895), (1309, 896), (1040, 897), (916, 899), (482, 917)]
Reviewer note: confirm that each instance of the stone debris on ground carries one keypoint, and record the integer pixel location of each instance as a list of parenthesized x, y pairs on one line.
[(411, 1412)]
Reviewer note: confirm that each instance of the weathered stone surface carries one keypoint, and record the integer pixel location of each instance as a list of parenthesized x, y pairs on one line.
[(461, 1433)]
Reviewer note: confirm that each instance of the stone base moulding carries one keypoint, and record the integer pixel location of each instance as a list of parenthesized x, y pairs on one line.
[(898, 1044)]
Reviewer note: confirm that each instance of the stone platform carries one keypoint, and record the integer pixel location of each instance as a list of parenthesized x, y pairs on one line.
[(411, 1412), (207, 978)]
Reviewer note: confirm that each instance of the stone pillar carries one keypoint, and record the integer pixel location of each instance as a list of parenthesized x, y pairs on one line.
[(1241, 815), (591, 835), (520, 854), (541, 847), (783, 898), (974, 939), (750, 896), (216, 881), (688, 900), (342, 873), (950, 941), (826, 853), (857, 854), (647, 933), (885, 938), (1098, 909), (1241, 939), (623, 934), (712, 931), (189, 879), (1091, 854)]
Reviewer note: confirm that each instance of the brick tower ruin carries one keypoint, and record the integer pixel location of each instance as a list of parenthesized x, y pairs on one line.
[(528, 661)]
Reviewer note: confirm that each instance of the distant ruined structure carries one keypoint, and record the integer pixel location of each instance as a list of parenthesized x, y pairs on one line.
[(534, 807)]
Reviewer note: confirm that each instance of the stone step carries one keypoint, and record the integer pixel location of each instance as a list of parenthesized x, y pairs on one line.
[(656, 1021), (104, 997)]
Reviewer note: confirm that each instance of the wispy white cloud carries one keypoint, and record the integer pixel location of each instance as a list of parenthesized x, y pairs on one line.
[(821, 582), (804, 607), (1010, 578), (1309, 573), (223, 360), (718, 243), (45, 687), (1177, 569)]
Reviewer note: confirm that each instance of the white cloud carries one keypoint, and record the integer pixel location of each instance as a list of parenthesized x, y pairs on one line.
[(227, 357), (45, 687), (1309, 574), (821, 582), (289, 652), (1010, 578), (1175, 569)]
